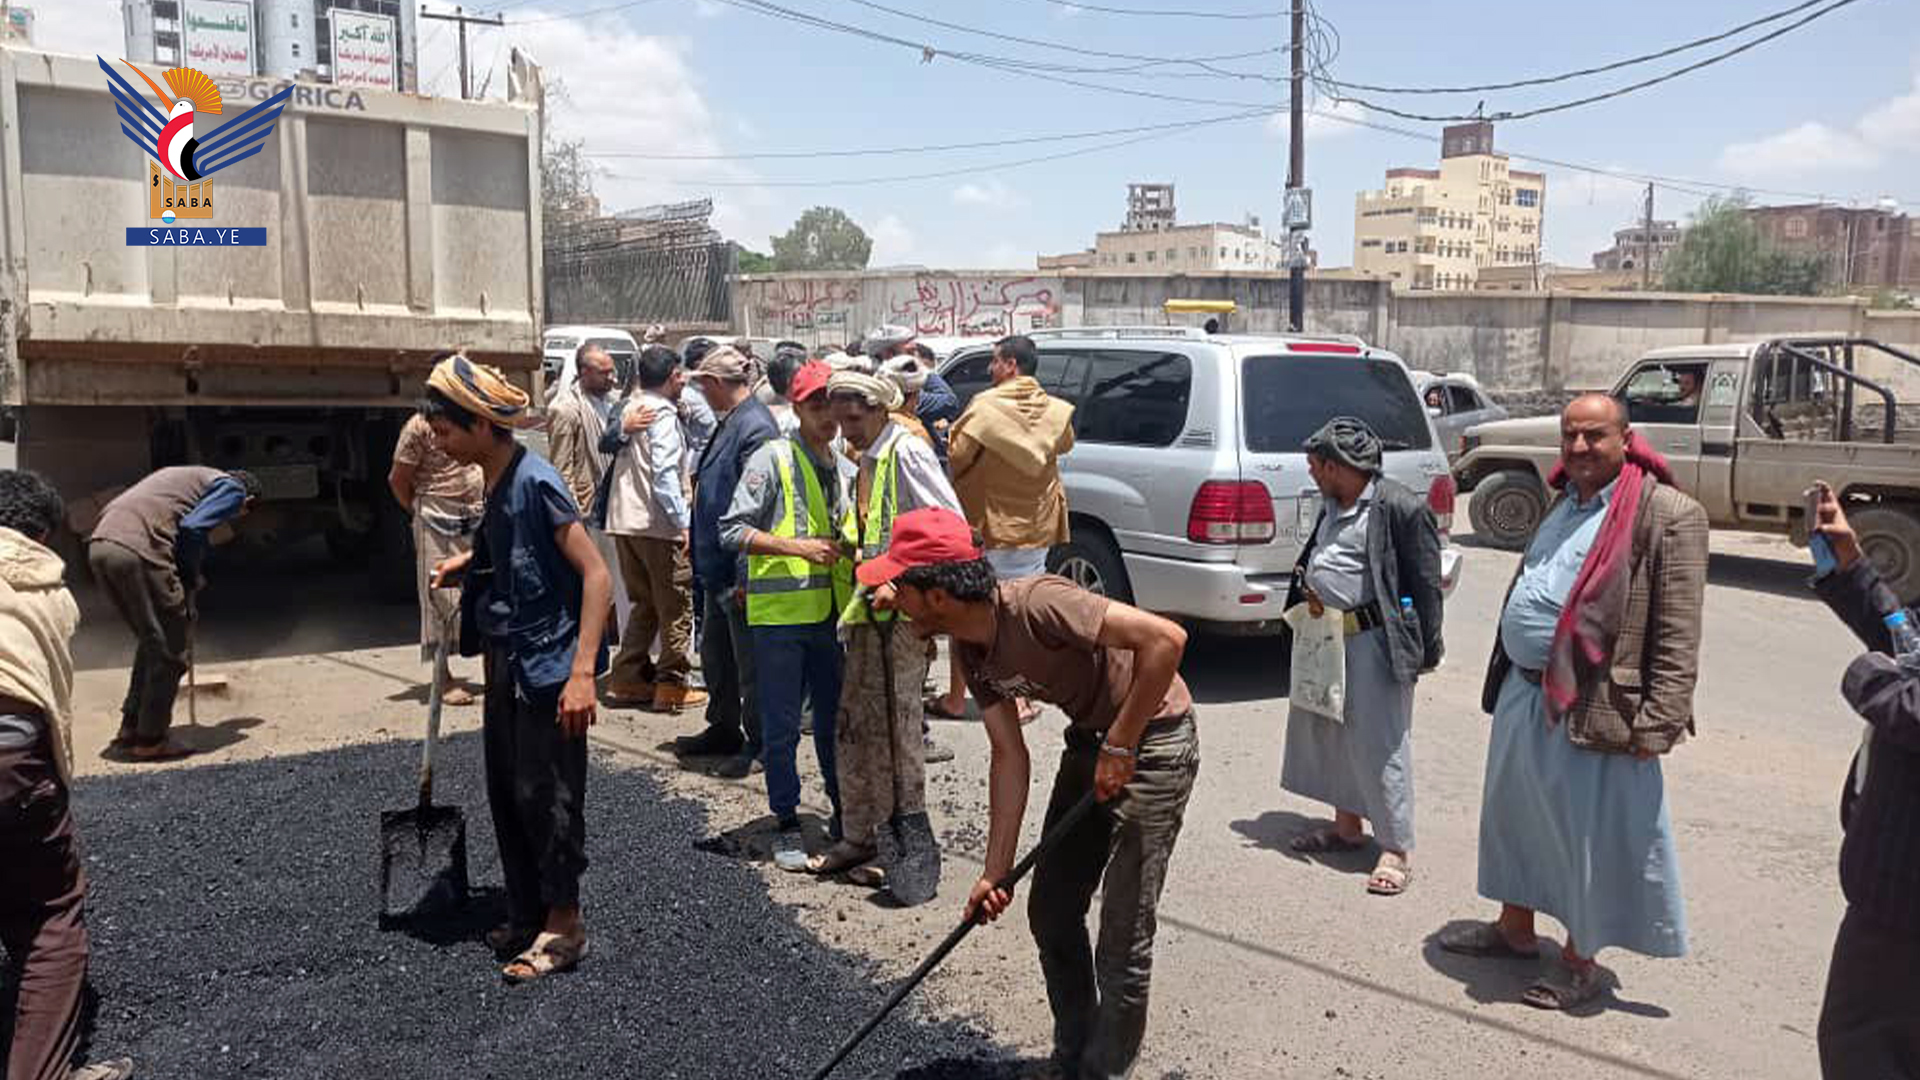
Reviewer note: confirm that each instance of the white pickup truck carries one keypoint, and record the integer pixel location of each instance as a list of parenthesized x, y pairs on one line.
[(378, 227), (1747, 428)]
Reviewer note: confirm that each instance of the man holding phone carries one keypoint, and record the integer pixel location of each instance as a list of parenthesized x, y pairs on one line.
[(1869, 1026)]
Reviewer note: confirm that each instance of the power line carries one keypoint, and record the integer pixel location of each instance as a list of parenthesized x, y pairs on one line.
[(971, 170), (568, 15), (1607, 95), (1029, 69), (1564, 76), (789, 155), (1044, 44), (1166, 14)]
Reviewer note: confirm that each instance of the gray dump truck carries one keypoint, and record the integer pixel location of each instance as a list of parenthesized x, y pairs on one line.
[(1747, 428), (276, 315)]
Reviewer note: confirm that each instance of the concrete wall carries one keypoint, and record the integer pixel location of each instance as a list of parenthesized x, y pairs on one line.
[(1513, 342), (834, 308)]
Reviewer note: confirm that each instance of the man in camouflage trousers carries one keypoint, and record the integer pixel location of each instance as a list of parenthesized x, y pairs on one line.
[(879, 745)]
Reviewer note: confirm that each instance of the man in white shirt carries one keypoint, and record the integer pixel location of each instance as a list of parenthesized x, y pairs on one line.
[(647, 515)]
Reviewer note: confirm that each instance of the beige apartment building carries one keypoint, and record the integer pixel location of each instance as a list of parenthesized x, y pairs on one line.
[(1438, 228)]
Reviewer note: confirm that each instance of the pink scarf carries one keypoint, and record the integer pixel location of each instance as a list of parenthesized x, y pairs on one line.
[(1589, 621)]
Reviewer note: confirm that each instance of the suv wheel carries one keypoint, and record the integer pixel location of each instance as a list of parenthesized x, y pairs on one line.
[(1091, 562), (1506, 508), (1890, 539)]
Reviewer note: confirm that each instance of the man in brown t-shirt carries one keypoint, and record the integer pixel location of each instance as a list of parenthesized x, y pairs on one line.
[(1115, 671)]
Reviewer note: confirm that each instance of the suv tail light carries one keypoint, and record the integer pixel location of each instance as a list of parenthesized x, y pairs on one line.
[(1231, 512), (1440, 500)]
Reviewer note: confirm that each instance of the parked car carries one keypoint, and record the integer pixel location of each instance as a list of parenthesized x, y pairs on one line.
[(1746, 429), (560, 344), (1456, 402), (1187, 489)]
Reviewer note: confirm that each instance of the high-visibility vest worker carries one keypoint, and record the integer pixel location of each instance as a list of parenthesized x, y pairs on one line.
[(876, 525), (786, 590)]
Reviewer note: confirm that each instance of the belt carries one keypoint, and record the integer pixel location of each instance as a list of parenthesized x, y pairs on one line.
[(1529, 674), (1084, 738), (1362, 619)]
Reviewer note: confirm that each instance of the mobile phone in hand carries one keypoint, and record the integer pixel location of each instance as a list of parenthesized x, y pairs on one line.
[(1824, 562)]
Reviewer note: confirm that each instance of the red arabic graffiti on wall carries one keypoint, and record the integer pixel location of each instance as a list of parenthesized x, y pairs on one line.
[(932, 305), (952, 307)]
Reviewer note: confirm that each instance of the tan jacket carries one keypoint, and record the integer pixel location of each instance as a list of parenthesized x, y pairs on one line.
[(1646, 702), (37, 621), (573, 444), (1005, 457)]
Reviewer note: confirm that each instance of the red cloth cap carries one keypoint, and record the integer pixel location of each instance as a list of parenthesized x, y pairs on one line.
[(808, 380), (921, 538)]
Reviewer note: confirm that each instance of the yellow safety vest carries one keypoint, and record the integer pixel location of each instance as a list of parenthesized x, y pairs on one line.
[(876, 528), (785, 590)]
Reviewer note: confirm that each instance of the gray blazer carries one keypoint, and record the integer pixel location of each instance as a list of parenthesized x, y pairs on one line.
[(1403, 556)]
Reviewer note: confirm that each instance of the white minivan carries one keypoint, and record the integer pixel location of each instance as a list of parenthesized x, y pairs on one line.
[(1187, 487)]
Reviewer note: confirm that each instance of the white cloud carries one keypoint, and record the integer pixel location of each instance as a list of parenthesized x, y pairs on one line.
[(893, 242), (665, 113), (1325, 120), (1896, 122), (1811, 147), (82, 27), (1890, 128), (992, 193), (708, 9)]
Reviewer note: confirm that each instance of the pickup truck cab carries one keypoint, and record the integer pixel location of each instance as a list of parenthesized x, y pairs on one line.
[(1747, 429)]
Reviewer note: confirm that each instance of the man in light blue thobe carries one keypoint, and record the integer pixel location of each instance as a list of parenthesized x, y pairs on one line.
[(1574, 819)]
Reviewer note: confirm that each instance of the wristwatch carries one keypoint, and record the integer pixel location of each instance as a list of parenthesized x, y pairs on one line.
[(1111, 750)]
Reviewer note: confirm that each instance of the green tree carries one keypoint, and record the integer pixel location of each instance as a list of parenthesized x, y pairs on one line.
[(824, 238), (752, 262), (566, 175), (1723, 251)]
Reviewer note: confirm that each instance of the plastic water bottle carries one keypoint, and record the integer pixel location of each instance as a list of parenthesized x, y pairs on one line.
[(1906, 639), (1906, 650), (1406, 608)]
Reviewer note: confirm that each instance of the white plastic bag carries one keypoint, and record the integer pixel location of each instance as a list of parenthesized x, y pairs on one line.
[(1319, 661)]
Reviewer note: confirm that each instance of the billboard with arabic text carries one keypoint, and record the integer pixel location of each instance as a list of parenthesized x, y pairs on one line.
[(364, 52), (216, 36)]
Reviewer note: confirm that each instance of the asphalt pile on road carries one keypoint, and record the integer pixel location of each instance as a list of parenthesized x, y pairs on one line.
[(233, 914)]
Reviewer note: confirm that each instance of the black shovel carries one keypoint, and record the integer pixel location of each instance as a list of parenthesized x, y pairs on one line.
[(1047, 842), (423, 849), (904, 843)]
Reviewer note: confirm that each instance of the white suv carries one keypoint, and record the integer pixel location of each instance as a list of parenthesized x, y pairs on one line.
[(1187, 487)]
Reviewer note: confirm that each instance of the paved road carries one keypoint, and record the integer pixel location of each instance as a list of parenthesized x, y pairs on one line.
[(1269, 965)]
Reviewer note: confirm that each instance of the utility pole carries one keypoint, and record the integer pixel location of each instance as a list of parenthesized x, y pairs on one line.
[(1296, 174), (1646, 245), (461, 17)]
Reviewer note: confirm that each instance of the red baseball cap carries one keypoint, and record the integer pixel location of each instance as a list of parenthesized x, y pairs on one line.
[(921, 538), (809, 379)]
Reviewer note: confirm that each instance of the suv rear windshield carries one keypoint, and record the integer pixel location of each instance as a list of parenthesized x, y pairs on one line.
[(1288, 398)]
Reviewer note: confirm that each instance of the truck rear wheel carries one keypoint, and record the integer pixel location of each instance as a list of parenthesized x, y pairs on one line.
[(1506, 508), (1890, 539)]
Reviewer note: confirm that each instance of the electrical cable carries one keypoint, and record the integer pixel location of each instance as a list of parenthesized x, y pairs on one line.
[(971, 170), (932, 148), (569, 15), (1604, 96), (1167, 14), (1044, 44), (1564, 76)]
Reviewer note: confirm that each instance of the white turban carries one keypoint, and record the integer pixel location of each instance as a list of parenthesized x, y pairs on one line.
[(906, 371), (880, 393)]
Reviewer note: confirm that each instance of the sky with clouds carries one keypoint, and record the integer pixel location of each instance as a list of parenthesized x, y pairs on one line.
[(1830, 110)]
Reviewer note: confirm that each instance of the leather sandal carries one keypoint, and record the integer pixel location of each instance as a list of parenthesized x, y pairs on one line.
[(550, 954)]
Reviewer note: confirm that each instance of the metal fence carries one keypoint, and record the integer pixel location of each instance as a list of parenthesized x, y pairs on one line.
[(634, 284)]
